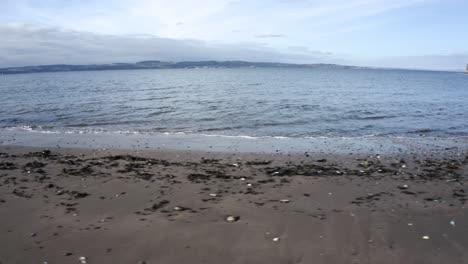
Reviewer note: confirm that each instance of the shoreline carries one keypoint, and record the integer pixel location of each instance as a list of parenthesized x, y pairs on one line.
[(172, 206), (442, 147)]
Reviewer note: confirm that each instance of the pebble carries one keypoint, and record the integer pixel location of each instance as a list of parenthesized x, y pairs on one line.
[(232, 219), (452, 223), (179, 208), (276, 239), (213, 194), (425, 237), (83, 260), (285, 201)]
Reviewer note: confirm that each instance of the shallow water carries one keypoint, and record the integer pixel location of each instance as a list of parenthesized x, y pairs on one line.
[(240, 102)]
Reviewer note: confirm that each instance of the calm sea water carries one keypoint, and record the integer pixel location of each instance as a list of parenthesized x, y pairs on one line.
[(240, 102)]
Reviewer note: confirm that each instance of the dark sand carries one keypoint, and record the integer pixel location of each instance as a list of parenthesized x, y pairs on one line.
[(122, 206)]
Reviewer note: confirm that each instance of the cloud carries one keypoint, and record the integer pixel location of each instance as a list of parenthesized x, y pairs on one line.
[(270, 36), (31, 45), (301, 31), (451, 62)]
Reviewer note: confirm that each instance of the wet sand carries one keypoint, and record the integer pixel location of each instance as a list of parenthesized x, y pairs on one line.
[(135, 206)]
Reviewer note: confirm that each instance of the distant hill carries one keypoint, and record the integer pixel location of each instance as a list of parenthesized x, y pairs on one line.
[(162, 65)]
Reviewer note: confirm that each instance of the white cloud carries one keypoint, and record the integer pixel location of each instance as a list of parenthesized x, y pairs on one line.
[(267, 30), (31, 45)]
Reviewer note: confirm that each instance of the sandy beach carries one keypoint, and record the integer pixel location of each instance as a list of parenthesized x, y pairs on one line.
[(160, 206)]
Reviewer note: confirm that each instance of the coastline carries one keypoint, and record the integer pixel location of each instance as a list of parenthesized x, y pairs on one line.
[(394, 146), (169, 205)]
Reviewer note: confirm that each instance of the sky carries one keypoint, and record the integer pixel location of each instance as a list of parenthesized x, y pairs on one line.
[(423, 34)]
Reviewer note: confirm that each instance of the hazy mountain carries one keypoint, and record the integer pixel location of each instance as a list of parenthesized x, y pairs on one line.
[(161, 65)]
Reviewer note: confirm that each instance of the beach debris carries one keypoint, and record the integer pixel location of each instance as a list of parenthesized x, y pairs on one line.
[(249, 184), (159, 205), (276, 239), (242, 179), (403, 187), (410, 224), (213, 194), (235, 165), (275, 173), (83, 260), (284, 201), (452, 223), (364, 163), (232, 218), (403, 166), (426, 237), (179, 208), (120, 194)]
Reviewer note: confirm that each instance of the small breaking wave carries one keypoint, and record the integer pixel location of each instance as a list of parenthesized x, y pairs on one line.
[(95, 131)]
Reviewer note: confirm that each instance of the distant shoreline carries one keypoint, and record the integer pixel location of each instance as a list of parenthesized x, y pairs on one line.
[(155, 65)]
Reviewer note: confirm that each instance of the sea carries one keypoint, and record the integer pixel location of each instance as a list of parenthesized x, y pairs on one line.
[(263, 103)]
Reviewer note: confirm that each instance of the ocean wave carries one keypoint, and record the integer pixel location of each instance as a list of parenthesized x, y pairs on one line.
[(51, 130)]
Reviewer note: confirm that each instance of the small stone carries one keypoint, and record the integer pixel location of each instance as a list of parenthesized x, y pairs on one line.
[(67, 254), (232, 219), (276, 239), (249, 184), (452, 223), (403, 187), (425, 237), (141, 262), (242, 179), (285, 201), (179, 208), (410, 224), (33, 234), (213, 194), (83, 260)]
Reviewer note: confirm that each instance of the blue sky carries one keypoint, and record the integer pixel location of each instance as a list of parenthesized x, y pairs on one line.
[(430, 34)]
